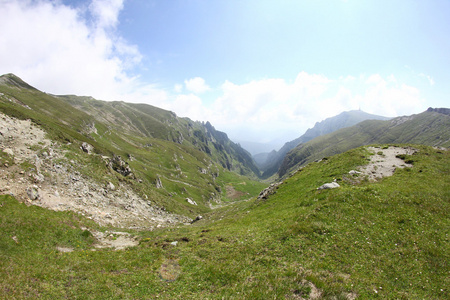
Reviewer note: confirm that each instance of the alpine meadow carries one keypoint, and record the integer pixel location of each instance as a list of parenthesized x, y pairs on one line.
[(109, 200)]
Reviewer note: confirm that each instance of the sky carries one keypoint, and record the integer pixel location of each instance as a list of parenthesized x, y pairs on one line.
[(261, 71)]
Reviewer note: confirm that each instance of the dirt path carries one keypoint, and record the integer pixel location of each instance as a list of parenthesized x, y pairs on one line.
[(384, 162)]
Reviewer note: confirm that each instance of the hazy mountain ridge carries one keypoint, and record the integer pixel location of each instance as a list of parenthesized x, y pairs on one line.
[(274, 159), (431, 127)]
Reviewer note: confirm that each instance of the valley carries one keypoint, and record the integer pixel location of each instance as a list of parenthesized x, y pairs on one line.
[(129, 201)]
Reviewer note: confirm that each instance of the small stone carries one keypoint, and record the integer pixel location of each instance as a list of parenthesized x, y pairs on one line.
[(110, 186)]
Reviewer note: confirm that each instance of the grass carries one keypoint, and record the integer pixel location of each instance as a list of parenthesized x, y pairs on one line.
[(125, 129), (386, 239)]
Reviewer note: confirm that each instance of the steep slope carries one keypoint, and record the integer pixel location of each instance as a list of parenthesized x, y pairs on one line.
[(152, 122), (173, 163), (345, 119), (431, 127)]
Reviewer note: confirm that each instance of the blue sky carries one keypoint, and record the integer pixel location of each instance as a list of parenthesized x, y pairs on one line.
[(258, 70)]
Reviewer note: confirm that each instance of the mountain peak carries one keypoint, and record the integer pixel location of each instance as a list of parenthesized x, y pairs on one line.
[(13, 80)]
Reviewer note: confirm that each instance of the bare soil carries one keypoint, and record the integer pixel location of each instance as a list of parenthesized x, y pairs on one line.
[(384, 162), (61, 187)]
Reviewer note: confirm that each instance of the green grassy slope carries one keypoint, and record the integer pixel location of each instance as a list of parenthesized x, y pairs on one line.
[(428, 128), (386, 239), (152, 122), (185, 155)]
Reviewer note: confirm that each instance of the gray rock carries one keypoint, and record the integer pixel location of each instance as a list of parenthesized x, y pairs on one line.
[(119, 165), (353, 172), (38, 178), (198, 218), (33, 192), (190, 201), (331, 185), (110, 186), (158, 183), (9, 151), (87, 147)]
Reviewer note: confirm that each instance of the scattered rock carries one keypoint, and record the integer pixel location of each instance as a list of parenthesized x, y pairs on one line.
[(269, 191), (38, 178), (198, 218), (190, 201), (174, 243), (33, 192), (331, 185)]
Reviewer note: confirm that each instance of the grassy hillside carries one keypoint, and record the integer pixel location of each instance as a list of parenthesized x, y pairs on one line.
[(386, 239), (188, 158), (428, 128)]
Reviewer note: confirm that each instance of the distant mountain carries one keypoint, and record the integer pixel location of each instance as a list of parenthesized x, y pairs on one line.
[(274, 159), (431, 127)]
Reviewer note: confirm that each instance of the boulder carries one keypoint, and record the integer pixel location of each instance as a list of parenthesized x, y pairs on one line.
[(190, 201), (119, 165), (33, 192), (9, 151), (331, 185), (353, 172), (198, 218), (87, 148)]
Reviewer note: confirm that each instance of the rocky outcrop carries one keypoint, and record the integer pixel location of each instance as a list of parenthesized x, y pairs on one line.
[(120, 166), (270, 190)]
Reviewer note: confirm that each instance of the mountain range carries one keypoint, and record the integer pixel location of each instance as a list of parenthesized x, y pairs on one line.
[(269, 163)]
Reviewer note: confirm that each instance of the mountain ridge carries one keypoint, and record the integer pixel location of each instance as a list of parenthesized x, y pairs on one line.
[(431, 127), (274, 159)]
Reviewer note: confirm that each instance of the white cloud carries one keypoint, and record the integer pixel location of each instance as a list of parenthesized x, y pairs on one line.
[(65, 50), (106, 12), (57, 49), (196, 85), (266, 109)]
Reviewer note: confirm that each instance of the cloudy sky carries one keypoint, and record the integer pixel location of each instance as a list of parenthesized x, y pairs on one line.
[(258, 70)]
